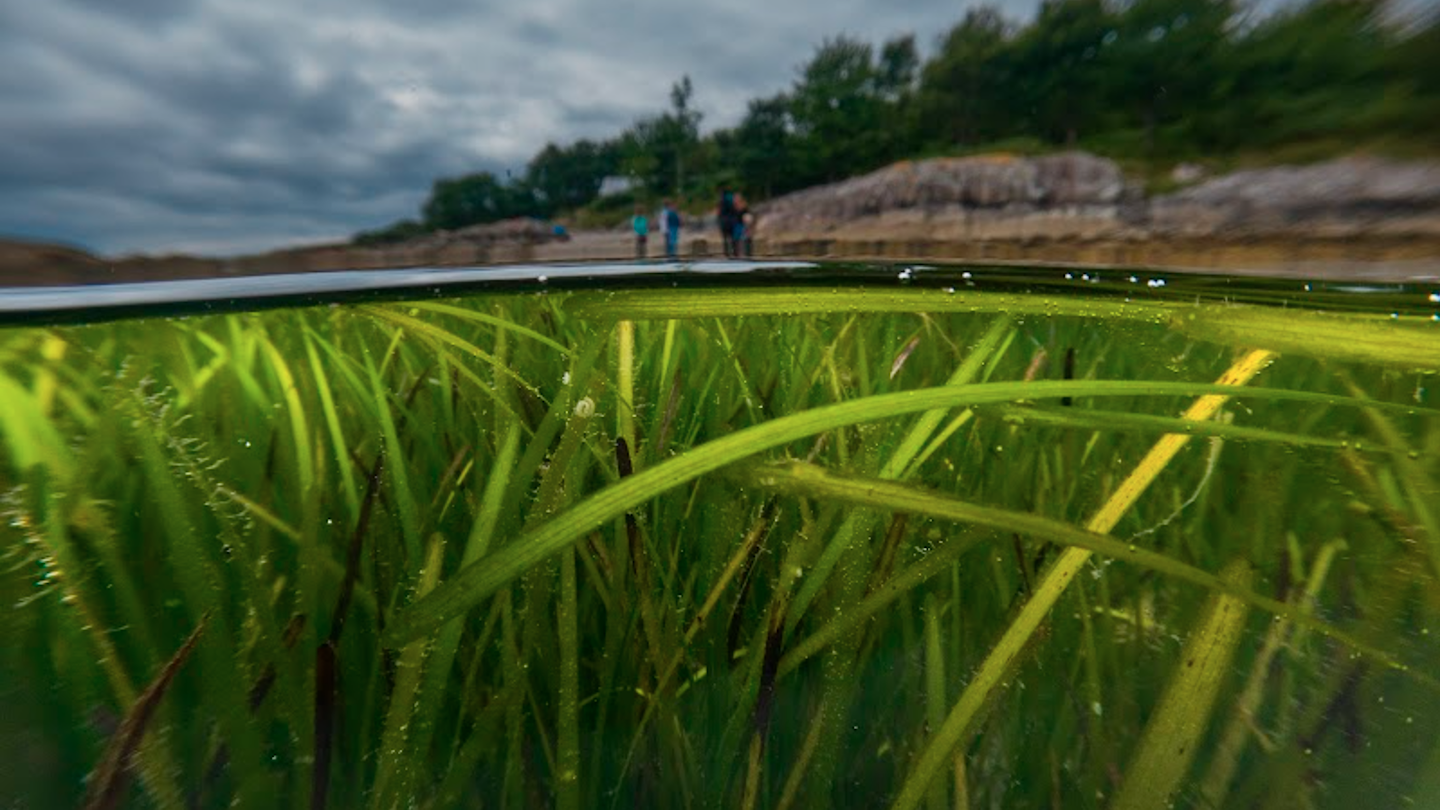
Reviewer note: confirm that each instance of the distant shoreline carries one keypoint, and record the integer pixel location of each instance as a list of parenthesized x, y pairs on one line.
[(1410, 261), (1354, 218)]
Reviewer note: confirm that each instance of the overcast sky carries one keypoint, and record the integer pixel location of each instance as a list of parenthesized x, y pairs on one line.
[(222, 127)]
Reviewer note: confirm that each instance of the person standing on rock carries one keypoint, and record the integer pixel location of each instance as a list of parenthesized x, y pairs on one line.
[(641, 226), (728, 216), (670, 223)]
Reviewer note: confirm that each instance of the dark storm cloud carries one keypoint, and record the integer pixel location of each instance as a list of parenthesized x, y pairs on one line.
[(204, 125)]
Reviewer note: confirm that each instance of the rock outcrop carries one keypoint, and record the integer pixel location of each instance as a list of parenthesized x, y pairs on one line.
[(989, 196), (1080, 196), (1353, 197)]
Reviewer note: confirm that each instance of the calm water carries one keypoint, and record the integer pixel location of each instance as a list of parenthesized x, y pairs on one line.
[(727, 535)]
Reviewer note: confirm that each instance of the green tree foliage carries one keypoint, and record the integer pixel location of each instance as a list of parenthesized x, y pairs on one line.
[(1170, 79), (1417, 62), (1156, 80), (961, 95), (655, 150), (1058, 76), (899, 65), (1309, 71), (759, 150), (474, 199), (567, 177), (1164, 59), (838, 110), (401, 231)]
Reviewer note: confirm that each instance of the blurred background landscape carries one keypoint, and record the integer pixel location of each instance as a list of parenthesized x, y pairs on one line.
[(173, 139)]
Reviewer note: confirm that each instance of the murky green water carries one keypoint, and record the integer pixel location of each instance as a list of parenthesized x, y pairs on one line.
[(825, 536)]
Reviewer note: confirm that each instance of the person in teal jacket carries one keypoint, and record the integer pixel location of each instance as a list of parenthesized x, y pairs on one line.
[(642, 230)]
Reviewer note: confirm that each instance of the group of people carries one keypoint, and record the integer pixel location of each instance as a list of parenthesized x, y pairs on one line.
[(737, 224), (736, 221), (669, 221)]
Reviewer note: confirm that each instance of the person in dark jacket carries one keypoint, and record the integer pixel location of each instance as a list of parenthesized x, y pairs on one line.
[(728, 216)]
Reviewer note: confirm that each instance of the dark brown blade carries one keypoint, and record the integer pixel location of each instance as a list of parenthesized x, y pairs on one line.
[(1069, 371), (324, 724), (112, 775)]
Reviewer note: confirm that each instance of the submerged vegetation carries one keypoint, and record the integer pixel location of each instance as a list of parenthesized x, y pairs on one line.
[(779, 547)]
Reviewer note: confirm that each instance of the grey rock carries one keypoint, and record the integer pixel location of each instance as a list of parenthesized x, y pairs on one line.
[(1078, 195), (1355, 195), (1017, 184)]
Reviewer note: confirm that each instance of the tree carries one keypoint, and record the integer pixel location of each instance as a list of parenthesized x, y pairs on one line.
[(838, 111), (760, 148), (1165, 61), (687, 127), (962, 90), (654, 149), (1415, 64), (474, 199), (1058, 75), (898, 67), (1310, 71), (404, 230), (567, 177)]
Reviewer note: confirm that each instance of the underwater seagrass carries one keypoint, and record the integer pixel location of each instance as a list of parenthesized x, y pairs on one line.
[(791, 545)]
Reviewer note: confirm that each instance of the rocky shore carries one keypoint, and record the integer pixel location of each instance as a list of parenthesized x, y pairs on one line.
[(1357, 217)]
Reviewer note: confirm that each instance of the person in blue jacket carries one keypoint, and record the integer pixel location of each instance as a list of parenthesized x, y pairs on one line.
[(670, 221)]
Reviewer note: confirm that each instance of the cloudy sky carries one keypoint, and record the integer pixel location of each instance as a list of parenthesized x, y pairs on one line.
[(223, 127)]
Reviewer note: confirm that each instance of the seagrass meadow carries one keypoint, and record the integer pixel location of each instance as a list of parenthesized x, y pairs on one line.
[(848, 540)]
